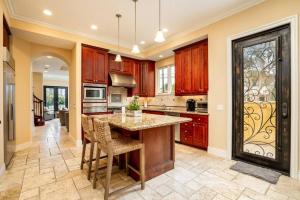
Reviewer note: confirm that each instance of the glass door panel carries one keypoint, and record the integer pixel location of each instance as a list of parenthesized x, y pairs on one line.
[(260, 99), (49, 94), (62, 98)]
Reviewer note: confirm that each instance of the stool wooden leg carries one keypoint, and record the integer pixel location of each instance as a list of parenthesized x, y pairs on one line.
[(108, 175), (83, 153), (97, 166), (142, 167), (126, 163), (91, 160)]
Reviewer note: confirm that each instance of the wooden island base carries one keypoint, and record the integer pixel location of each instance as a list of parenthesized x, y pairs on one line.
[(159, 151)]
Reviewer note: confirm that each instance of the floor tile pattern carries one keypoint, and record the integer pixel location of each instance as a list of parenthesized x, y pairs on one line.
[(50, 169)]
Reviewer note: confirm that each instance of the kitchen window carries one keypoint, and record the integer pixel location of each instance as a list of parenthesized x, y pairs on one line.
[(166, 80)]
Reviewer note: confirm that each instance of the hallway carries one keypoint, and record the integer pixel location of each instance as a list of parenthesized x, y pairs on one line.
[(50, 169)]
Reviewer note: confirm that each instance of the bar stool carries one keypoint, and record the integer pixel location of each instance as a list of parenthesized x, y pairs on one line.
[(87, 126), (88, 137), (113, 147)]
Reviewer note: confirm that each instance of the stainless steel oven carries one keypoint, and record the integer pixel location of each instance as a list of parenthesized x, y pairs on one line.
[(94, 92)]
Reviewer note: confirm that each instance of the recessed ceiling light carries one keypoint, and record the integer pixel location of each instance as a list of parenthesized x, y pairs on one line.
[(49, 57), (45, 71), (47, 65), (94, 27), (165, 30), (142, 42), (47, 12), (160, 56)]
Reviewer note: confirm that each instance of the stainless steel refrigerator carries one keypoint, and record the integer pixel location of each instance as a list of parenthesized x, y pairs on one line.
[(8, 105)]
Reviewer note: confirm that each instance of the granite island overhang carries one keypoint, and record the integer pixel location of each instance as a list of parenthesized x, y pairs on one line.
[(157, 134)]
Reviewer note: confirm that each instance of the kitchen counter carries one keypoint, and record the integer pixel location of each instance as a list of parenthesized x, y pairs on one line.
[(156, 132), (174, 110), (146, 121)]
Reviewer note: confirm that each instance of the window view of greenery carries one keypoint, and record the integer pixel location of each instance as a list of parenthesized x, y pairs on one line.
[(166, 77), (61, 99), (50, 98)]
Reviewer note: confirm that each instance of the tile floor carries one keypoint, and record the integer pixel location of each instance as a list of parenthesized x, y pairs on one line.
[(50, 169)]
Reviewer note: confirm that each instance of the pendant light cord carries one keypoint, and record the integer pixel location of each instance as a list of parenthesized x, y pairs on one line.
[(159, 27), (135, 22), (118, 33)]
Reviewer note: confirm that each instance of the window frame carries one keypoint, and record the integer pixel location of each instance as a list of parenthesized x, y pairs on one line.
[(157, 77)]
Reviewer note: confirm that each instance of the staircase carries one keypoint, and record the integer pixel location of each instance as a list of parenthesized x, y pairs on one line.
[(38, 110)]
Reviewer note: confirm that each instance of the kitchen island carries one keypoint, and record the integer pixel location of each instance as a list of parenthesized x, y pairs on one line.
[(157, 134)]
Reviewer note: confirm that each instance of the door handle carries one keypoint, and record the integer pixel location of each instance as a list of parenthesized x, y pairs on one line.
[(284, 110)]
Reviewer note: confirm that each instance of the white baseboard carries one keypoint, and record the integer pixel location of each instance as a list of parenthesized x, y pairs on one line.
[(217, 152), (2, 169), (23, 146)]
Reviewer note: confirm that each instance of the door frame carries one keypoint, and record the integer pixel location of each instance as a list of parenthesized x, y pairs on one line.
[(293, 21)]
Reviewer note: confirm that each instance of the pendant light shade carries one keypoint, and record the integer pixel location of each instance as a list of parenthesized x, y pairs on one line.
[(159, 37), (118, 56), (135, 47)]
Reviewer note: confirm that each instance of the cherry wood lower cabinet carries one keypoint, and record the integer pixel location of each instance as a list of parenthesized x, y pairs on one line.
[(195, 133)]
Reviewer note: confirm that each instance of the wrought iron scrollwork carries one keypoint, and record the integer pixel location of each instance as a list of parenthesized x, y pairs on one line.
[(260, 99)]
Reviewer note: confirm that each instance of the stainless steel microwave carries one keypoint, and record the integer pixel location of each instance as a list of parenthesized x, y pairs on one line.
[(94, 92)]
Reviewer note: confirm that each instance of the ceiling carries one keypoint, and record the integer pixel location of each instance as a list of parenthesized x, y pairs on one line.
[(53, 68), (76, 16)]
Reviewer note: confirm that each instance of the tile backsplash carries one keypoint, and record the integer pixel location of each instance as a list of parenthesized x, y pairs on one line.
[(169, 100)]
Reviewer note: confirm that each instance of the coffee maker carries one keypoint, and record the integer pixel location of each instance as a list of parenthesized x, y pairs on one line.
[(190, 105)]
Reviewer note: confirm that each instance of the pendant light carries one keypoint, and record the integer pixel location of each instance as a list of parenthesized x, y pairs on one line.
[(135, 48), (159, 37), (118, 56)]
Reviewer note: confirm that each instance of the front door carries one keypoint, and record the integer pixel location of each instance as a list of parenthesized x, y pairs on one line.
[(55, 99), (261, 99)]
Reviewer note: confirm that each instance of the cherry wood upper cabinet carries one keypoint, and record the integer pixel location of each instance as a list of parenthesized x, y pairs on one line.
[(191, 69), (113, 65), (147, 82), (94, 65), (124, 67), (137, 77)]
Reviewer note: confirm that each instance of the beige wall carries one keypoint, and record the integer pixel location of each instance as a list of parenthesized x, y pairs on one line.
[(24, 53), (75, 94), (21, 51), (37, 84)]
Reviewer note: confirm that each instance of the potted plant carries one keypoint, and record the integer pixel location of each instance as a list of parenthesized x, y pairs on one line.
[(133, 109)]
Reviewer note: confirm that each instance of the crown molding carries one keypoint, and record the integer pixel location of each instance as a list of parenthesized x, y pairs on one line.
[(109, 41)]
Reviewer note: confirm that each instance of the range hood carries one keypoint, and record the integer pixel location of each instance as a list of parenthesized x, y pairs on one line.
[(122, 80)]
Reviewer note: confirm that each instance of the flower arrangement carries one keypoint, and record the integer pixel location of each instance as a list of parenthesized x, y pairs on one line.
[(134, 109)]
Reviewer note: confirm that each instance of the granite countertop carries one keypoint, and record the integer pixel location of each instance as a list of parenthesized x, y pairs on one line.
[(174, 110), (146, 121)]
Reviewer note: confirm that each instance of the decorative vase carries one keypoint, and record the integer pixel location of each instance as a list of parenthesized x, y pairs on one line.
[(134, 113)]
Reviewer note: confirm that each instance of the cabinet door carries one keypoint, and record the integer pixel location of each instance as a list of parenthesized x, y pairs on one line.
[(197, 69), (178, 73), (186, 136), (143, 81), (200, 135), (137, 78), (150, 79), (205, 66), (127, 66), (113, 65), (186, 67), (100, 66), (87, 65)]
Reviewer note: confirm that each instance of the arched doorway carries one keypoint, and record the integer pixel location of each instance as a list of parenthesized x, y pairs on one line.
[(50, 87)]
